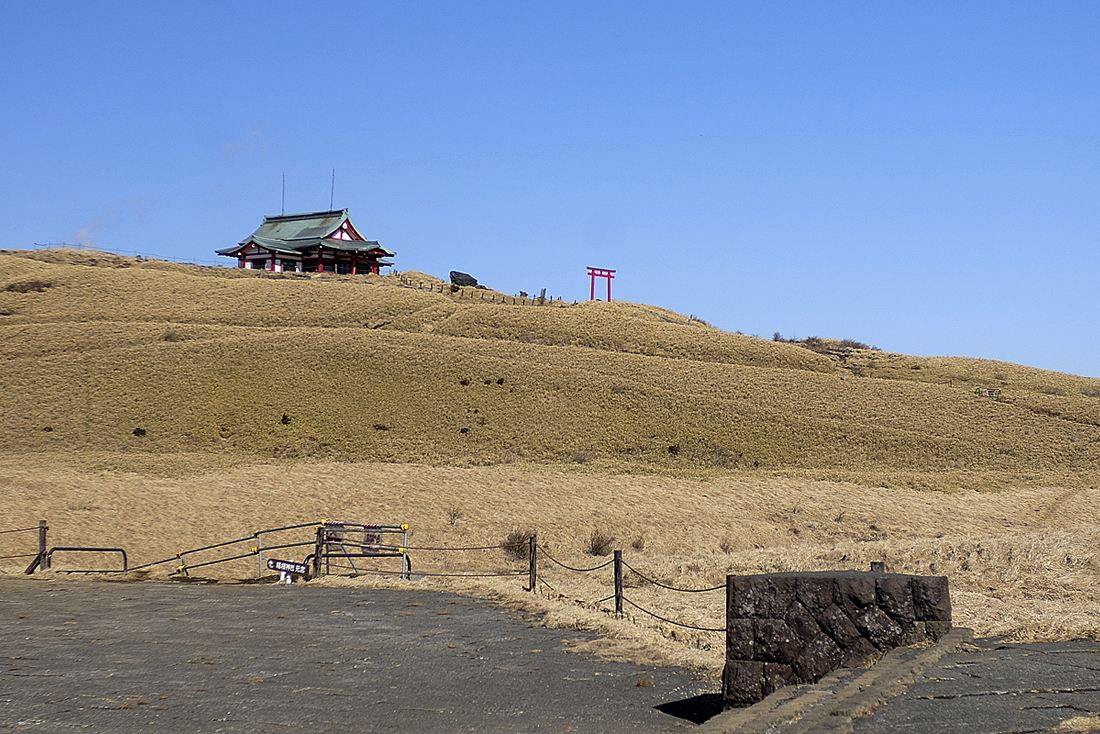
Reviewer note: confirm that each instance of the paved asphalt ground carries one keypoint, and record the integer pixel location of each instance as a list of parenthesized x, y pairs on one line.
[(128, 657), (988, 688)]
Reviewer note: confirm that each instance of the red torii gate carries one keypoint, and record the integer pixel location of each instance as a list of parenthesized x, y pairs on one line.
[(600, 273)]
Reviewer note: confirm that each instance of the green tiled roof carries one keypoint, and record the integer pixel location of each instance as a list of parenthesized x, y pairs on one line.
[(292, 233)]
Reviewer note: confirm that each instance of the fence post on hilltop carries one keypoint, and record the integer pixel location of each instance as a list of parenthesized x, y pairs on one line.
[(618, 583), (318, 551), (533, 554)]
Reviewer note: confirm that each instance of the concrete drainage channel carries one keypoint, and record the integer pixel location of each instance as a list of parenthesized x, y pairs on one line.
[(960, 685), (836, 700)]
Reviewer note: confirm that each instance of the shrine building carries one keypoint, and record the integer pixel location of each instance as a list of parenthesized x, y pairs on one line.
[(320, 242)]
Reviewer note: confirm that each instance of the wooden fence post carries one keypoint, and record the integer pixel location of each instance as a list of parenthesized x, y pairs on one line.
[(39, 560), (43, 561), (533, 553), (618, 583), (318, 551), (260, 554)]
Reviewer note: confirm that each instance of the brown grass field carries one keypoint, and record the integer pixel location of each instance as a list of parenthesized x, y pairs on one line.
[(264, 401)]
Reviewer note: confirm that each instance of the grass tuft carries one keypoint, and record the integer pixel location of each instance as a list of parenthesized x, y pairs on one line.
[(517, 544), (599, 543)]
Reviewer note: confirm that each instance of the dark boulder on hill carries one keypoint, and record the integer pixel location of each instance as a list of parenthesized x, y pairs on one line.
[(462, 279)]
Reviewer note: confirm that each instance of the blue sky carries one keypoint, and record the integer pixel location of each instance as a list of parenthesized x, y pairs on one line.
[(923, 177)]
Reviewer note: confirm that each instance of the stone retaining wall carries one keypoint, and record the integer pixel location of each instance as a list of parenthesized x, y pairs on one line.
[(789, 628)]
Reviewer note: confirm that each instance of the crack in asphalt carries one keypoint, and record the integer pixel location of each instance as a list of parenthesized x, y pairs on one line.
[(1017, 692)]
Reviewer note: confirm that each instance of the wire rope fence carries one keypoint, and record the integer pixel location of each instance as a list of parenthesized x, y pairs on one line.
[(143, 254), (619, 595), (479, 293), (640, 575), (571, 568), (673, 621), (16, 548), (357, 549)]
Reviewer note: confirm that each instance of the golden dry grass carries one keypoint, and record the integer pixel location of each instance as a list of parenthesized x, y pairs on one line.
[(703, 452)]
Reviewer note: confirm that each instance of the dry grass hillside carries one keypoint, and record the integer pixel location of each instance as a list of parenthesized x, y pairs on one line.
[(212, 402), (225, 366)]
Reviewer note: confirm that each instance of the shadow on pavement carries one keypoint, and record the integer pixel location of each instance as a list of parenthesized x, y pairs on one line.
[(696, 709)]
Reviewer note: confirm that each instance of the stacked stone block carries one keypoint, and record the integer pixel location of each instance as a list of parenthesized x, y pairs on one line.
[(789, 628)]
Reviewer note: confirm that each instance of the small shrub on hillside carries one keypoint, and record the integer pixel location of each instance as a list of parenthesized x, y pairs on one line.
[(172, 336), (29, 286), (580, 457), (823, 346), (638, 543), (454, 514), (599, 543), (517, 544), (814, 344), (716, 455), (727, 544)]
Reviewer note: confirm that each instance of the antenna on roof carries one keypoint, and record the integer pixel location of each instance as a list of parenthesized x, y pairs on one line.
[(332, 192), (282, 207)]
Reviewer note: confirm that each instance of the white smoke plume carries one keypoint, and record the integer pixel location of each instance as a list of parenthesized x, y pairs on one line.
[(87, 234), (253, 140)]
